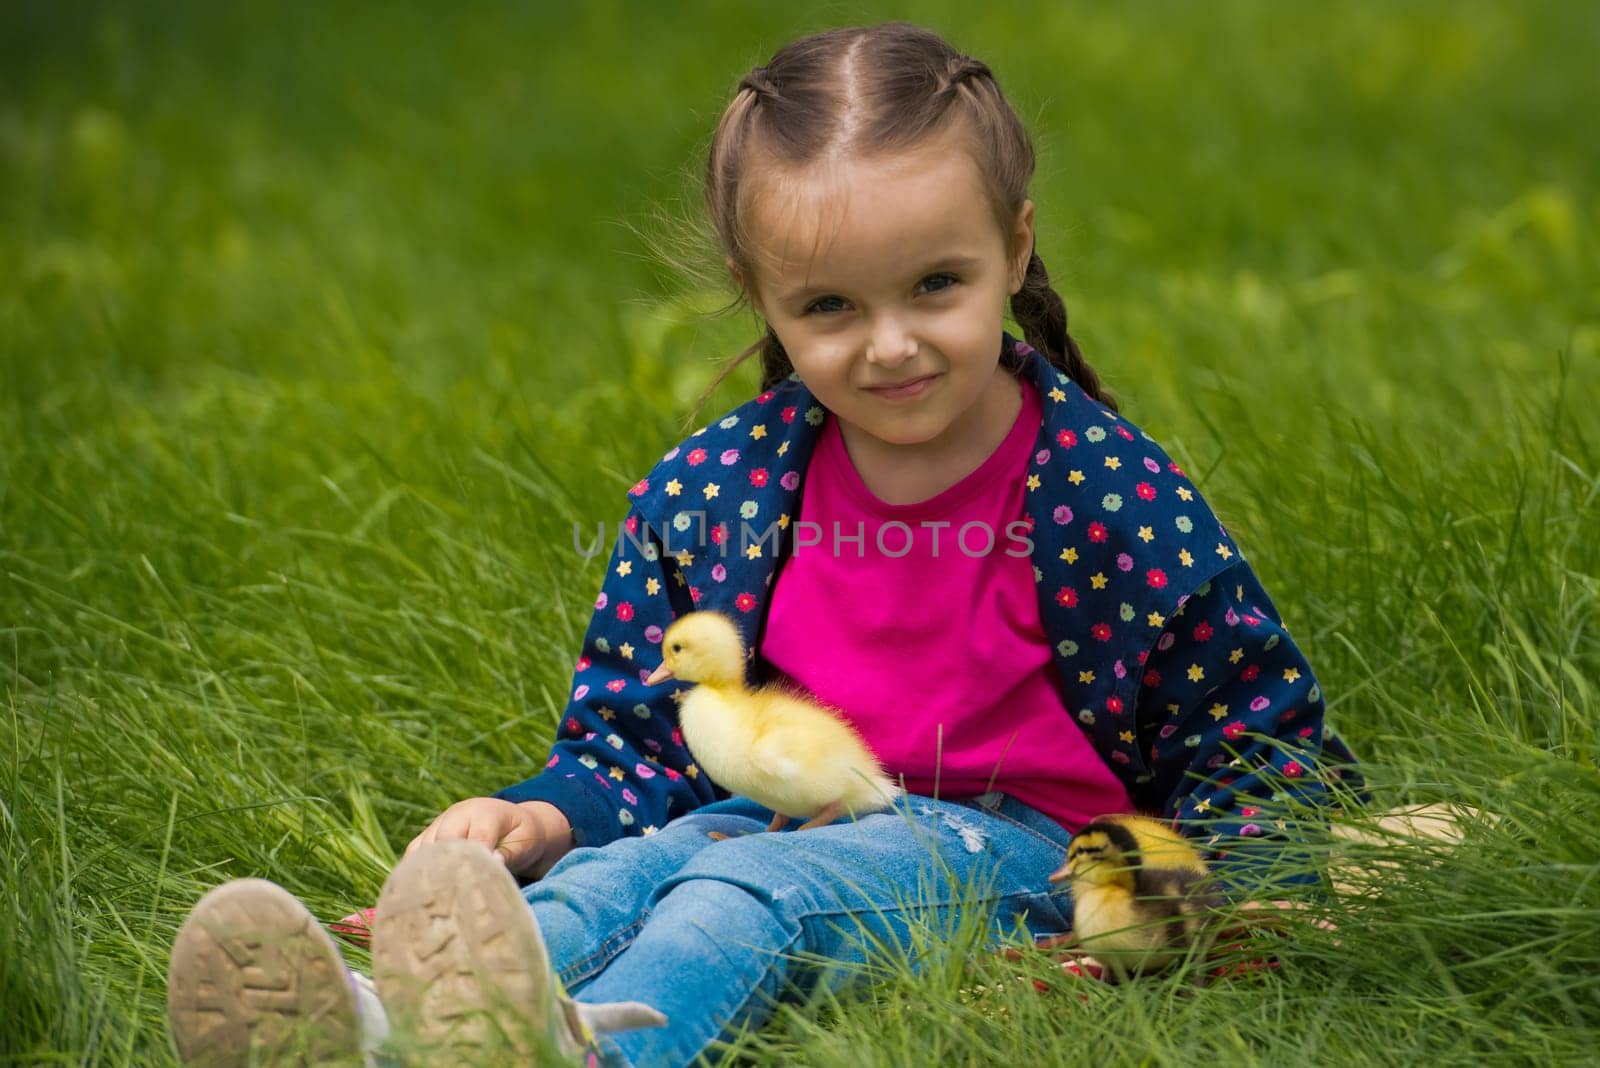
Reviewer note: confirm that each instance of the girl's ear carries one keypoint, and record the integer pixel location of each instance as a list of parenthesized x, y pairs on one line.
[(1022, 234), (739, 280)]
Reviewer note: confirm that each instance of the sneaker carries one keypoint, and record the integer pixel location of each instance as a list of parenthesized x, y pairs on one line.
[(254, 980), (463, 971), (355, 929)]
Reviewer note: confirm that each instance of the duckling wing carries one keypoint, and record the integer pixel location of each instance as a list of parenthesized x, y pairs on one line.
[(802, 754), (769, 758), (1167, 883), (775, 778)]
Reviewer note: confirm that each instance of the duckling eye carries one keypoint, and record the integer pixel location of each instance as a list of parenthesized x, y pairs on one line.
[(677, 647)]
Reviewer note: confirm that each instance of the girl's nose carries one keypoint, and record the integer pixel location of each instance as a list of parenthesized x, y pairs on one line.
[(890, 343)]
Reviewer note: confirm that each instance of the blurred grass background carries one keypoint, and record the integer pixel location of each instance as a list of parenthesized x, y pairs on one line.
[(320, 327)]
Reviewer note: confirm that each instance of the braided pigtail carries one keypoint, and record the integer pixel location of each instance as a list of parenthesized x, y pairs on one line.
[(775, 364), (962, 70), (1042, 315), (775, 367)]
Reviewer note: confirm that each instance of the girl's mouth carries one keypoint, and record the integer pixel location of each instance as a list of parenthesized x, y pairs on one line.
[(913, 388)]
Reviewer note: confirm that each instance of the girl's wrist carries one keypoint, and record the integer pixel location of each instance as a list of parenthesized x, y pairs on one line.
[(554, 835)]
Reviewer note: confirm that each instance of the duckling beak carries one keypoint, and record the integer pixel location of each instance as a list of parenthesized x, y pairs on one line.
[(659, 675)]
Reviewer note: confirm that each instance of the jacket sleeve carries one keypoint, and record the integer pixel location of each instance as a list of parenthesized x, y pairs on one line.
[(1234, 721), (619, 765)]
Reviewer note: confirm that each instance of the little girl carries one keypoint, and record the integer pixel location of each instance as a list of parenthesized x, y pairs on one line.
[(1018, 599)]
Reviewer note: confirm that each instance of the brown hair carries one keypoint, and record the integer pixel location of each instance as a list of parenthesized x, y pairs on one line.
[(875, 90)]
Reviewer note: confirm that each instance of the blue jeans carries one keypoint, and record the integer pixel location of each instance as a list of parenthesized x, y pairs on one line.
[(711, 932)]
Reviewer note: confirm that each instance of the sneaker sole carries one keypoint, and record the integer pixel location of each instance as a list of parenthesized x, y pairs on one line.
[(459, 961), (254, 979)]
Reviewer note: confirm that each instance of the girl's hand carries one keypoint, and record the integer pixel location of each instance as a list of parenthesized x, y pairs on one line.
[(529, 837)]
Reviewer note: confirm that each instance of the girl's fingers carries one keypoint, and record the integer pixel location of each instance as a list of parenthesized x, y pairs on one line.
[(421, 839), (1271, 915), (451, 825), (444, 827), (489, 828), (518, 839), (484, 831), (1279, 911)]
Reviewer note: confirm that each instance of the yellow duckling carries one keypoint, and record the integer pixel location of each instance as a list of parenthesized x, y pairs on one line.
[(1136, 904), (778, 748)]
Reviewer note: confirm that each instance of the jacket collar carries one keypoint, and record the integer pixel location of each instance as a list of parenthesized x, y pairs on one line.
[(724, 500)]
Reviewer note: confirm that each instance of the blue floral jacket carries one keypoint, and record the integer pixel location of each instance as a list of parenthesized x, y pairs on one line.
[(1173, 659)]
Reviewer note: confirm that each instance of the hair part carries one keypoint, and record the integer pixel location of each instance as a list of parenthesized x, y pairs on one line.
[(865, 91)]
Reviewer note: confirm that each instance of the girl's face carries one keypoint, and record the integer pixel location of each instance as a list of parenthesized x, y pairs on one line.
[(887, 282)]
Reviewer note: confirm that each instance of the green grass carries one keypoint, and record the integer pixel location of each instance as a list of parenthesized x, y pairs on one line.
[(318, 332)]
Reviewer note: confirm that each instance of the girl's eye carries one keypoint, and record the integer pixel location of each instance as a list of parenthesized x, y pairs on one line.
[(816, 306)]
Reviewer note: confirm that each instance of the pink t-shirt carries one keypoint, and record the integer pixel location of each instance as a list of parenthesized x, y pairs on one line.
[(924, 631)]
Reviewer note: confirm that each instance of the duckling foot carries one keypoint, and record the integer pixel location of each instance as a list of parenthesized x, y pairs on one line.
[(1057, 941), (779, 822), (825, 817)]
